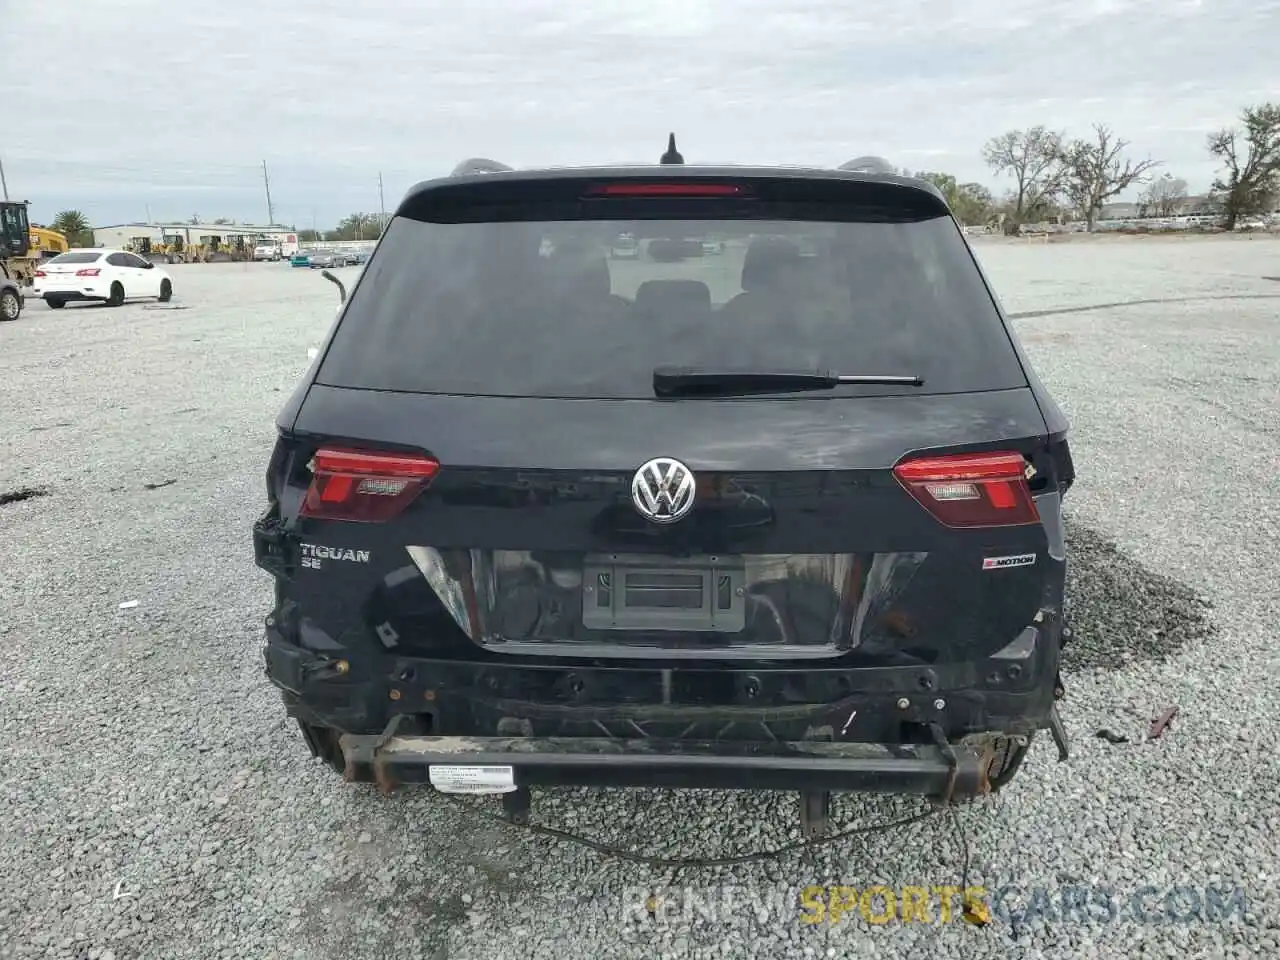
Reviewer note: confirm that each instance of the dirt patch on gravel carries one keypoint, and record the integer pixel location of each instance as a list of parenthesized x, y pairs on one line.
[(1120, 611)]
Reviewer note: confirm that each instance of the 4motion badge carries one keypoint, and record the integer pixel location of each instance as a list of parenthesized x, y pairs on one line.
[(1002, 563)]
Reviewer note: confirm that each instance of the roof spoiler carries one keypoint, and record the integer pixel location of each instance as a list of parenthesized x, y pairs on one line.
[(673, 157), (474, 165)]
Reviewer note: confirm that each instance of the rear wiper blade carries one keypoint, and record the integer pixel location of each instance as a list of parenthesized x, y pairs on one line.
[(685, 381)]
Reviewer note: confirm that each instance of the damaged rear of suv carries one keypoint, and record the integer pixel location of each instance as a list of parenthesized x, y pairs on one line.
[(785, 518)]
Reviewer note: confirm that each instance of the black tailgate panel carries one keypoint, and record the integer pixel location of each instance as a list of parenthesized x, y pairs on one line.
[(796, 499)]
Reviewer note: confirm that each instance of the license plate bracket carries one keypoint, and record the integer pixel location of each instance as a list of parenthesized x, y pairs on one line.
[(647, 593)]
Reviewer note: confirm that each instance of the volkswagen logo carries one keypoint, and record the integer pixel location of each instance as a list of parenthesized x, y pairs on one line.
[(663, 490)]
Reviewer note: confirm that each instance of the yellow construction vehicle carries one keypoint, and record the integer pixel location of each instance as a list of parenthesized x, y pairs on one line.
[(155, 252), (178, 248), (18, 261), (214, 248), (140, 245), (173, 248), (46, 243)]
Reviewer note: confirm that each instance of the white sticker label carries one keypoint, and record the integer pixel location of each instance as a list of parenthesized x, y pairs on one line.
[(1000, 563), (454, 779)]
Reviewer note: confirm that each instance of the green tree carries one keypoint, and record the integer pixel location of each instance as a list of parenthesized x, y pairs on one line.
[(1251, 162), (970, 202), (308, 236), (357, 226), (974, 204), (73, 225), (1094, 171), (1033, 158)]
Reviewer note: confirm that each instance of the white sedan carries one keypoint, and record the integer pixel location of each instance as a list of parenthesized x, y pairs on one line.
[(108, 276)]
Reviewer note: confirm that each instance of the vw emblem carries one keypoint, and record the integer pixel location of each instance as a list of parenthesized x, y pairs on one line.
[(663, 490)]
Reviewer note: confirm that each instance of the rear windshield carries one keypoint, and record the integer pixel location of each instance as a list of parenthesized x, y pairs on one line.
[(565, 309), (75, 258)]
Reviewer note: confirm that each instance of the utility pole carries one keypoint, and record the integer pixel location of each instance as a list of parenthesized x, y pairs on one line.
[(271, 217), (5, 183), (382, 207)]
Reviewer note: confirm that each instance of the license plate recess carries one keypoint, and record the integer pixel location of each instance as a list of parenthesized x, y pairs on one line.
[(644, 592)]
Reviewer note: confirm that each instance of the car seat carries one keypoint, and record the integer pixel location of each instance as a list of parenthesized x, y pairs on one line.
[(768, 264)]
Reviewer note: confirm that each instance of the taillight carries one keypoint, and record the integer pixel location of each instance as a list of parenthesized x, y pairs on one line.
[(363, 485), (971, 489), (41, 273), (88, 272), (663, 189)]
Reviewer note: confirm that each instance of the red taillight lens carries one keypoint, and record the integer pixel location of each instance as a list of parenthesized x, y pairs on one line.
[(41, 273), (365, 486), (88, 272), (667, 190), (971, 490)]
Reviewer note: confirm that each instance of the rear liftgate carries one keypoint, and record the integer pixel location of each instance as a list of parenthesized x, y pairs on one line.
[(479, 548)]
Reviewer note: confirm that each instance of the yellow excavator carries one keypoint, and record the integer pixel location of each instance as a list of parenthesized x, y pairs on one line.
[(46, 243)]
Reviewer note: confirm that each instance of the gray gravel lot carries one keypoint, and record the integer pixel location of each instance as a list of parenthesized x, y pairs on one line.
[(156, 803)]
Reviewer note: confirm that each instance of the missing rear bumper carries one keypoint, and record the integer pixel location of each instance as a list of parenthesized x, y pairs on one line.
[(958, 772)]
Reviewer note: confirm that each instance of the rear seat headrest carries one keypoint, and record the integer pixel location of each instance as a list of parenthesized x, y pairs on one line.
[(765, 257), (579, 272), (670, 293)]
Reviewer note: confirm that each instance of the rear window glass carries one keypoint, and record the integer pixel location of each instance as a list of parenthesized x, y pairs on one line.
[(76, 258), (588, 308)]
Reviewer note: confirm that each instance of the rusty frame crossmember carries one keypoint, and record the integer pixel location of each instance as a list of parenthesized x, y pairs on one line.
[(941, 770)]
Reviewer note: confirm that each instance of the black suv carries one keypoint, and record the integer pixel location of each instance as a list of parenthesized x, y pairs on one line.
[(789, 517)]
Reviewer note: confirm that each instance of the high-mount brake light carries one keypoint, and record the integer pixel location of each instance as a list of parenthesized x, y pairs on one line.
[(88, 272), (971, 489), (669, 190), (364, 485)]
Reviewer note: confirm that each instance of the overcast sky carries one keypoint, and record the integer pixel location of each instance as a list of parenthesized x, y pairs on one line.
[(170, 106)]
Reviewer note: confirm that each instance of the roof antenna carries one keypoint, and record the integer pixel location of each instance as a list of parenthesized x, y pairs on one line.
[(672, 156)]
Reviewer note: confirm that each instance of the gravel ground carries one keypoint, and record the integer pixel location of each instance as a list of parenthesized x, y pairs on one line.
[(157, 804)]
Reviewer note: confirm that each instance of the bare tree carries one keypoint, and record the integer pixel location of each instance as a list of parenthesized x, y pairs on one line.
[(1096, 170), (1164, 197), (1033, 158), (1252, 180)]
